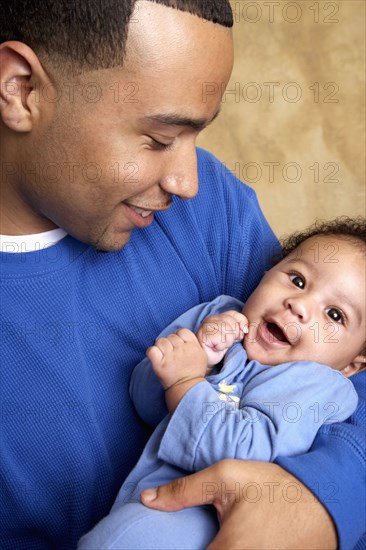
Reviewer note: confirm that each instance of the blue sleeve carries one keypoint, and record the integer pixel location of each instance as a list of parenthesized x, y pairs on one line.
[(281, 410), (241, 244), (146, 391), (335, 471), (233, 244)]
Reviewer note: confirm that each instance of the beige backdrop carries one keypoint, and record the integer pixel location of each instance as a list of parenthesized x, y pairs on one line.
[(293, 119)]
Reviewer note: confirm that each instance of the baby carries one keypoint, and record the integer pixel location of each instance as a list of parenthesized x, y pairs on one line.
[(250, 382)]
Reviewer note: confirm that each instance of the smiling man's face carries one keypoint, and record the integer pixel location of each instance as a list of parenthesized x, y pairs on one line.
[(310, 306), (107, 165)]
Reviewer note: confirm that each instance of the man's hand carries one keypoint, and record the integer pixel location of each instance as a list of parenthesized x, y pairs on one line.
[(218, 332), (259, 505)]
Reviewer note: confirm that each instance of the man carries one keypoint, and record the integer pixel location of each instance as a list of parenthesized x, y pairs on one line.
[(101, 103)]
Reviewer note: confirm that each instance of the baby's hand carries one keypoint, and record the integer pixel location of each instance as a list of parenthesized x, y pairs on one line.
[(177, 358), (219, 332)]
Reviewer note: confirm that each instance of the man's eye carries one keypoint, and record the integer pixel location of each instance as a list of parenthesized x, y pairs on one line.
[(335, 314), (161, 146), (297, 280)]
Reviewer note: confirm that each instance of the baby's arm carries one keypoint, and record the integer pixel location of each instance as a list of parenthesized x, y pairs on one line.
[(181, 360), (281, 410), (146, 391)]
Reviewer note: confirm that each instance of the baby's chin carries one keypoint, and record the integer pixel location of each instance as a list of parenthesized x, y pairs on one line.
[(264, 357)]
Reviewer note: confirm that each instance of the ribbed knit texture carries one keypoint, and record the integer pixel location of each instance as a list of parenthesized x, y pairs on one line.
[(335, 471), (75, 322)]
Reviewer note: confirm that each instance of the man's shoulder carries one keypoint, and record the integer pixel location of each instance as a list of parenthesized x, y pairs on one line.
[(216, 174)]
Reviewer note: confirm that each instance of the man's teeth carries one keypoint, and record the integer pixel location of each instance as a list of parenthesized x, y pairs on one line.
[(143, 213)]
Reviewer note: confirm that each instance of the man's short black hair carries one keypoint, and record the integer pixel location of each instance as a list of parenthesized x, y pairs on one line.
[(89, 34)]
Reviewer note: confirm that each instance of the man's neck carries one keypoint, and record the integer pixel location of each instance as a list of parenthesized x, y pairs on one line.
[(13, 222), (17, 217)]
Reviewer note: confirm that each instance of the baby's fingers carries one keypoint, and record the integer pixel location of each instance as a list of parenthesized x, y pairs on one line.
[(179, 338), (224, 328), (186, 335), (154, 354), (239, 319), (164, 345)]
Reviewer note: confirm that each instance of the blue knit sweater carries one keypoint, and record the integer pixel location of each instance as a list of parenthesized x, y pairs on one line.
[(75, 322)]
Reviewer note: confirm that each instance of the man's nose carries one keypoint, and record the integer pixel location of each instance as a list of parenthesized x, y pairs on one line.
[(299, 307), (180, 176)]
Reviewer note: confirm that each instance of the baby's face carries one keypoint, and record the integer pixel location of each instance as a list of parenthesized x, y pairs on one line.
[(310, 306)]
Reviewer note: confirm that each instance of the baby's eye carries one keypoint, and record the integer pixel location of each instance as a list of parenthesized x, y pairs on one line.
[(335, 314), (297, 280)]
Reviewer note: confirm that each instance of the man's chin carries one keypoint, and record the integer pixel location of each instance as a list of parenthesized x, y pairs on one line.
[(113, 247), (111, 243)]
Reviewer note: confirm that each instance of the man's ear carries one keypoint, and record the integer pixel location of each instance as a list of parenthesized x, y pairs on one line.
[(357, 365), (21, 76)]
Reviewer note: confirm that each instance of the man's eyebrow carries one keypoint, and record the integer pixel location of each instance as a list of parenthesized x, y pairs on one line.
[(196, 124)]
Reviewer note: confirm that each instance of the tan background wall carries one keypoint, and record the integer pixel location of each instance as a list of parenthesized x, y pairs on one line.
[(298, 100)]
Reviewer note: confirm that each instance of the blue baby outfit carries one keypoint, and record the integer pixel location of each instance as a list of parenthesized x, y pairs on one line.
[(246, 410)]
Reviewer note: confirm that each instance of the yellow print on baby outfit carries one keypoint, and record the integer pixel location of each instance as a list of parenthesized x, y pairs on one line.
[(224, 393)]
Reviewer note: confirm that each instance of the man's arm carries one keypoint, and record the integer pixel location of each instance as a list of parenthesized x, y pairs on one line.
[(259, 505), (334, 470)]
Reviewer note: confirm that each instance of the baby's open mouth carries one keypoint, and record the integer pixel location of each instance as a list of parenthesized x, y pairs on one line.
[(277, 333)]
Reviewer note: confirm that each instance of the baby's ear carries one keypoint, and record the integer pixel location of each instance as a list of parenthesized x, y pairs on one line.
[(357, 365)]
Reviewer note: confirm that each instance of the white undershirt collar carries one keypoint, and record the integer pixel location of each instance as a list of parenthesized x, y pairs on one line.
[(31, 243)]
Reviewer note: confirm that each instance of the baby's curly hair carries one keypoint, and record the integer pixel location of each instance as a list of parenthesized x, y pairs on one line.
[(352, 229)]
